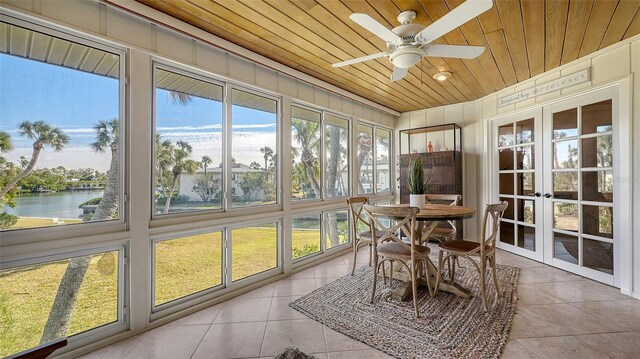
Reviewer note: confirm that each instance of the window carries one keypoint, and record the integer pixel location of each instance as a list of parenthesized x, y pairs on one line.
[(305, 153), (305, 235), (383, 154), (336, 228), (253, 148), (365, 159), (188, 144), (28, 295), (60, 133), (336, 163), (254, 250), (187, 265)]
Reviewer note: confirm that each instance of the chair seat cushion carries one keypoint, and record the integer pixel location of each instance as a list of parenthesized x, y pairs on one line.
[(461, 246), (367, 235), (396, 249), (445, 232)]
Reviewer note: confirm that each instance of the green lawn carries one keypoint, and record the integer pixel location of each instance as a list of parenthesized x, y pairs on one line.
[(30, 222), (183, 266)]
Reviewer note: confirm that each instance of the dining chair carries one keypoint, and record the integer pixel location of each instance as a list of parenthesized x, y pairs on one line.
[(485, 250), (391, 248), (442, 234), (361, 228)]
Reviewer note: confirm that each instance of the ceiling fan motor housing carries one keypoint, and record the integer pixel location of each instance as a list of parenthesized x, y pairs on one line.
[(406, 57)]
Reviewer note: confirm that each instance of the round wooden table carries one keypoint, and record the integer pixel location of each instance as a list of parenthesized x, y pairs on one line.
[(430, 216)]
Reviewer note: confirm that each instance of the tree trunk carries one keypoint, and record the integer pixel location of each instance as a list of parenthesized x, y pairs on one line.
[(362, 155), (37, 147), (315, 186), (333, 173), (60, 314), (332, 223), (108, 206), (167, 204), (63, 304)]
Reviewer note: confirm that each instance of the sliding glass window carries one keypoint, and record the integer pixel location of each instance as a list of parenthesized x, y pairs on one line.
[(365, 159), (188, 144), (336, 163), (383, 163), (305, 153), (254, 144), (60, 131)]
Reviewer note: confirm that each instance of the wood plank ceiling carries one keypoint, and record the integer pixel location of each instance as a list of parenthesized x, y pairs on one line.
[(522, 38)]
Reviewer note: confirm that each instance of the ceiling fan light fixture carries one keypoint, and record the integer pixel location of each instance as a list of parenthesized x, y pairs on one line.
[(442, 76), (405, 58)]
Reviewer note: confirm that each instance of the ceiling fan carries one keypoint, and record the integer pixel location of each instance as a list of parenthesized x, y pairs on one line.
[(408, 43)]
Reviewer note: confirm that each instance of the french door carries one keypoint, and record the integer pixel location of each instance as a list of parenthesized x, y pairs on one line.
[(555, 167)]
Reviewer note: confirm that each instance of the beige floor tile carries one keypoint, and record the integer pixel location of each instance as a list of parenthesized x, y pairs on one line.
[(571, 293), (304, 274), (567, 347), (531, 275), (244, 310), (531, 325), (607, 292), (280, 309), (530, 294), (339, 342), (334, 270), (265, 291), (515, 350), (205, 316), (617, 345), (572, 319), (321, 282), (305, 334), (289, 287), (359, 354), (114, 351), (623, 313), (168, 342), (556, 274), (233, 340)]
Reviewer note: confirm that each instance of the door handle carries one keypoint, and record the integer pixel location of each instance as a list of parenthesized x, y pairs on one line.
[(537, 194), (548, 195)]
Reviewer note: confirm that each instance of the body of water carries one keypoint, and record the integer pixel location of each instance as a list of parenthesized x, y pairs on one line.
[(52, 205)]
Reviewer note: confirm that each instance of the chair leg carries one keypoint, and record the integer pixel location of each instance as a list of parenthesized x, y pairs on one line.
[(453, 259), (439, 274), (483, 287), (370, 253), (495, 275), (355, 255), (390, 273), (425, 270), (375, 277), (384, 274), (414, 288)]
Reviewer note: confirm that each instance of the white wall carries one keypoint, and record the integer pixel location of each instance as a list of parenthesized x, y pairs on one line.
[(609, 64)]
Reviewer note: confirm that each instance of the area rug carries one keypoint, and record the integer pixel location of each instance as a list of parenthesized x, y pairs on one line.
[(450, 326), (293, 353)]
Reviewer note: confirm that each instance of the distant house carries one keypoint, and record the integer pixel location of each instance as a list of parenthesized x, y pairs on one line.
[(187, 181)]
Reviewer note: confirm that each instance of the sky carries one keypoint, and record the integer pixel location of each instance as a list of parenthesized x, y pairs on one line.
[(75, 101)]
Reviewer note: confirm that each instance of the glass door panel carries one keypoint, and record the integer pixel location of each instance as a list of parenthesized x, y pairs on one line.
[(516, 184), (580, 174)]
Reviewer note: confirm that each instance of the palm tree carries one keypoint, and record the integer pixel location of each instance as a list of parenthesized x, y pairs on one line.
[(5, 144), (43, 134), (108, 137), (206, 161), (181, 164), (267, 152), (306, 134)]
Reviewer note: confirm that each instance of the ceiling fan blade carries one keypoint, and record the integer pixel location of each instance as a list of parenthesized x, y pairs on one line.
[(455, 51), (398, 73), (375, 27), (360, 59), (456, 17)]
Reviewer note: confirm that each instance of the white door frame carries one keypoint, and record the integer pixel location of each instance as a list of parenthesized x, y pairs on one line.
[(621, 94)]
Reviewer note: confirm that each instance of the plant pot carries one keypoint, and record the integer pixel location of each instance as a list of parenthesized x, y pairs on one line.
[(416, 200)]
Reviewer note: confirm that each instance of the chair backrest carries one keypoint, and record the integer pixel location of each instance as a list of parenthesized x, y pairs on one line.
[(495, 211), (452, 199), (403, 222), (357, 215)]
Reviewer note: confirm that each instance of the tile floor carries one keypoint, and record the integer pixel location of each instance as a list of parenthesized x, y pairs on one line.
[(559, 315)]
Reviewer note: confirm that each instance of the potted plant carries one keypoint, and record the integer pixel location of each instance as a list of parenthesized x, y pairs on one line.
[(416, 183)]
